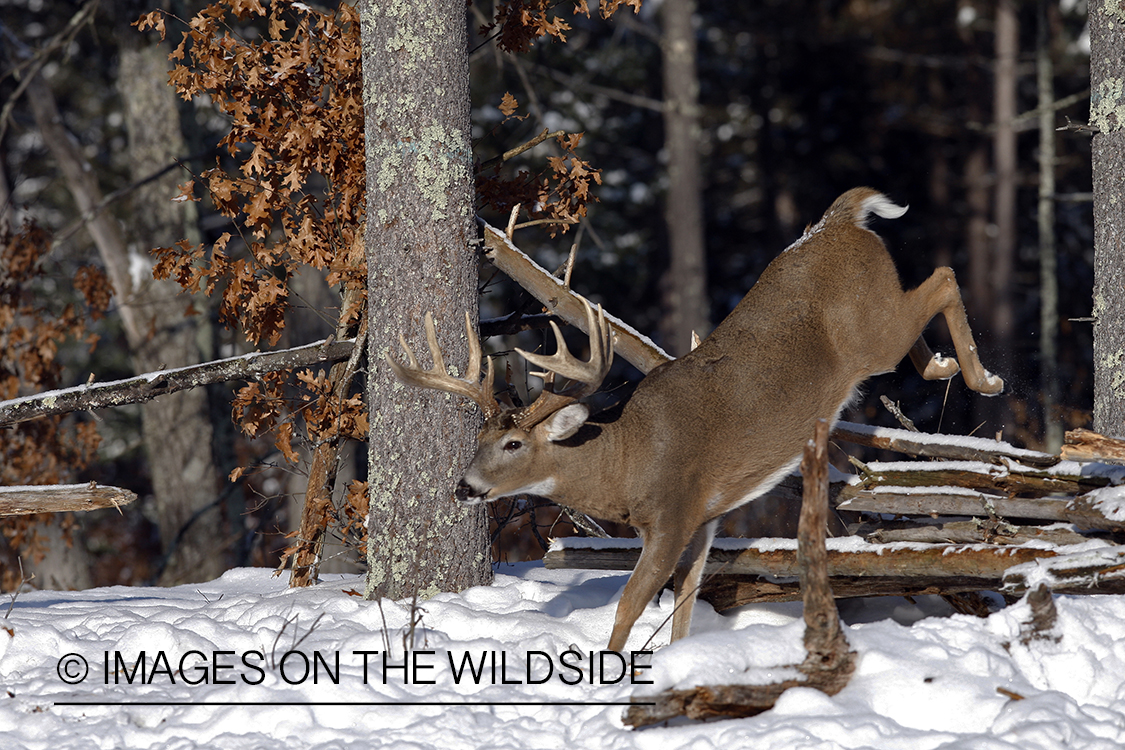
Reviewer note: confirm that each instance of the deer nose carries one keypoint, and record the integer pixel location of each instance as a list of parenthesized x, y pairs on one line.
[(466, 494)]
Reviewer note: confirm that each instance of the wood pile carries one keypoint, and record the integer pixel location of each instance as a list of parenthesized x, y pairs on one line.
[(973, 514)]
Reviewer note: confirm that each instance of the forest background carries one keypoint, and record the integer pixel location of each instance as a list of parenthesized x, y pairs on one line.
[(788, 104)]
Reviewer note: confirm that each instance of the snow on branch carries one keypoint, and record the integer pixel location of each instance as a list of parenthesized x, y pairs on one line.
[(152, 384)]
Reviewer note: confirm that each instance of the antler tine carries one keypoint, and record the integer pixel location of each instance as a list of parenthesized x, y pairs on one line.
[(437, 378), (590, 374)]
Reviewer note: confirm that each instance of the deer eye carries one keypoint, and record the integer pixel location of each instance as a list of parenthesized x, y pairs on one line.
[(513, 445)]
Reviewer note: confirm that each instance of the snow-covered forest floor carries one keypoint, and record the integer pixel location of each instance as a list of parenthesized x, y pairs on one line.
[(243, 662)]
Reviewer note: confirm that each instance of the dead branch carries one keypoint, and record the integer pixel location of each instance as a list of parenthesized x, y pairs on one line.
[(938, 446), (152, 384), (58, 498), (563, 302), (1087, 445)]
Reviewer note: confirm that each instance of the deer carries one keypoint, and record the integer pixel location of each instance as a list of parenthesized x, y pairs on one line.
[(721, 426)]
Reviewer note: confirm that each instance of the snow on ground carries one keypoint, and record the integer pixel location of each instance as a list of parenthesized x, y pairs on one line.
[(225, 667)]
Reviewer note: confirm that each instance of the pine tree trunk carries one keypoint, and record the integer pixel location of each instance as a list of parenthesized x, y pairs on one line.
[(419, 258), (1107, 114)]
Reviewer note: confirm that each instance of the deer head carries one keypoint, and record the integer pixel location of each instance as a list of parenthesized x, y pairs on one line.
[(512, 446)]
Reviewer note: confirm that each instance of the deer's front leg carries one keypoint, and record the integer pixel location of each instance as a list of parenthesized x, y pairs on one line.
[(659, 555), (689, 575)]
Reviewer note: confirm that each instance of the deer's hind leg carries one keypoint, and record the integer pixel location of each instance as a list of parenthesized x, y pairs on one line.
[(939, 294), (932, 366)]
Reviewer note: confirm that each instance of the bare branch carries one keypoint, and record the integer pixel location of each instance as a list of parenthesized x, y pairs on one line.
[(565, 303), (152, 384), (57, 498)]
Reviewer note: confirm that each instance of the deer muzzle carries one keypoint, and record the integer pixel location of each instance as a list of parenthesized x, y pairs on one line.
[(467, 495)]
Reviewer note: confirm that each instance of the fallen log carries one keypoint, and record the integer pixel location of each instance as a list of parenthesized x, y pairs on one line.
[(1008, 477), (57, 498), (1096, 570), (847, 556), (939, 446), (1086, 511), (1086, 445)]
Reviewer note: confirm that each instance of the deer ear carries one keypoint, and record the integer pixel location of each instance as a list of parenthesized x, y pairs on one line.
[(565, 422)]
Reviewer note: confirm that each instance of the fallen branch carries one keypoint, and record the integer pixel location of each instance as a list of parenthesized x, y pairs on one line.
[(152, 384), (558, 300), (939, 446), (1086, 445), (1084, 510), (58, 498)]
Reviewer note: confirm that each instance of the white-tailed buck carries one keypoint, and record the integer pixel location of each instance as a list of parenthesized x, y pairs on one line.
[(722, 425)]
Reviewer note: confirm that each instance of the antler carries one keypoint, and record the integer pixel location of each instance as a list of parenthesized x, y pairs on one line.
[(588, 376), (439, 379)]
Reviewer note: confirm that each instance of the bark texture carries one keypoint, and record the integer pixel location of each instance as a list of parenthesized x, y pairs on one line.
[(419, 258), (686, 282), (1107, 114)]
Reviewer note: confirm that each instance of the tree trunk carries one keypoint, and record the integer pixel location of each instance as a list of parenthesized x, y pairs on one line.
[(686, 282), (1002, 316), (177, 428), (419, 258), (1107, 114), (1048, 261)]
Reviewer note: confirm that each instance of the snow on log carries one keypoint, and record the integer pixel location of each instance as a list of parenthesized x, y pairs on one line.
[(847, 556), (1093, 570), (56, 498), (152, 384), (938, 446)]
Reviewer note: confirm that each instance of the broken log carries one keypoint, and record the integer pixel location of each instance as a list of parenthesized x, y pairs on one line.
[(1087, 445), (58, 498)]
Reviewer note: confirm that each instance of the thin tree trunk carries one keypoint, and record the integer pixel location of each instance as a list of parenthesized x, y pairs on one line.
[(1002, 317), (686, 282), (419, 258), (1048, 280), (1107, 114), (178, 433)]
